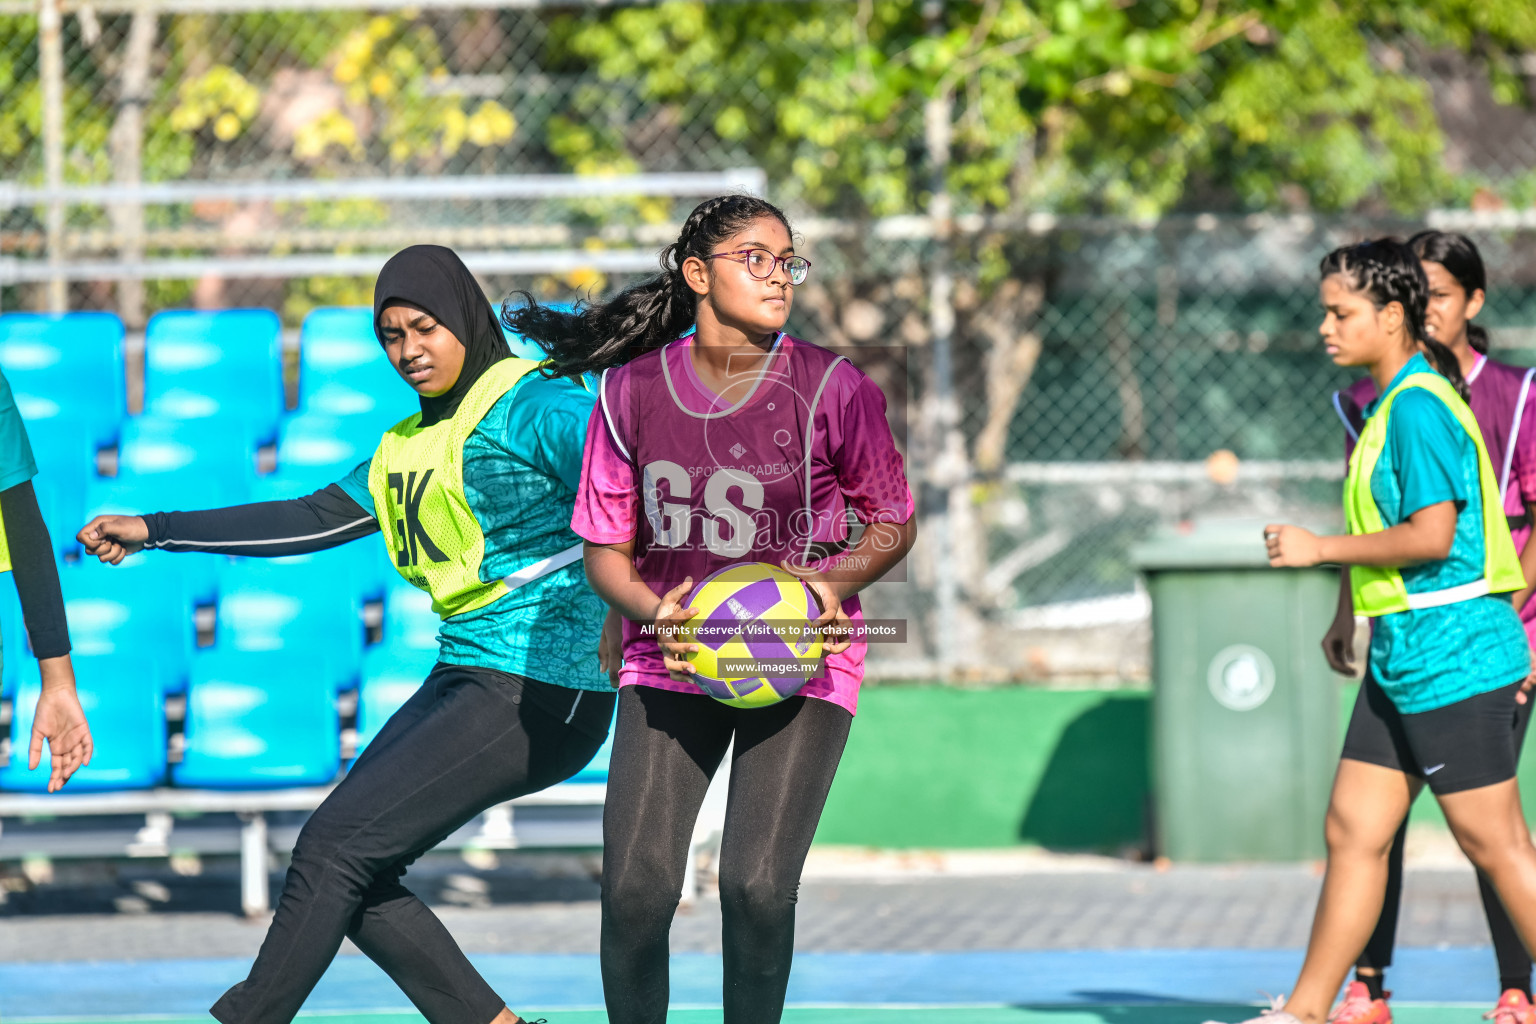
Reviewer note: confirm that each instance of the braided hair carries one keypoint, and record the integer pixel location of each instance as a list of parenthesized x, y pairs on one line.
[(1460, 258), (643, 317), (1385, 271)]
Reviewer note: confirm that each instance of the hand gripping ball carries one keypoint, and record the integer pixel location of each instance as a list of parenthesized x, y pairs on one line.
[(753, 628)]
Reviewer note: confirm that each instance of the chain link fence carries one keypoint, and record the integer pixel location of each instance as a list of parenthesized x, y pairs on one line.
[(1112, 373)]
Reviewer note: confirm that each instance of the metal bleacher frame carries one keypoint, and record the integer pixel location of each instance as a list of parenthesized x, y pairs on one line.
[(56, 271), (497, 828), (159, 836)]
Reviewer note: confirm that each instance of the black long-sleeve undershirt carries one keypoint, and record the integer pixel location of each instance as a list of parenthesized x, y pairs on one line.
[(324, 519), (35, 572)]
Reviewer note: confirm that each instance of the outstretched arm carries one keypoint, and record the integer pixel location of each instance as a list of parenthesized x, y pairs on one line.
[(324, 519)]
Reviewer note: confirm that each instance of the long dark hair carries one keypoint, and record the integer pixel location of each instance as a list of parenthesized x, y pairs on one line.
[(1460, 258), (1386, 270), (643, 317)]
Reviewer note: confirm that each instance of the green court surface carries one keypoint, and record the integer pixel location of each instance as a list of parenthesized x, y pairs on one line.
[(1134, 1014)]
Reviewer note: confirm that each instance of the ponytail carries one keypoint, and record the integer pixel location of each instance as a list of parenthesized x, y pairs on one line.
[(1459, 256), (641, 318), (1387, 271), (1445, 362)]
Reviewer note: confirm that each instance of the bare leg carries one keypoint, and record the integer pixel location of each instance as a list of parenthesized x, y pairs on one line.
[(1490, 826), (1368, 804)]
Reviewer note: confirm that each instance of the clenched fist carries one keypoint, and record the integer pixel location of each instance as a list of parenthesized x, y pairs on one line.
[(1292, 547), (113, 538)]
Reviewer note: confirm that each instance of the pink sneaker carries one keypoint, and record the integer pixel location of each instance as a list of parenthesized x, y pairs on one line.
[(1512, 1008), (1359, 1008)]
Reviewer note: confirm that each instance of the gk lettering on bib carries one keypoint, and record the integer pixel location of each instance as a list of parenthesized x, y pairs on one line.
[(416, 480)]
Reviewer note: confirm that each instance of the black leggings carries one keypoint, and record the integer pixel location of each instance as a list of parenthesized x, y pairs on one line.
[(665, 750), (1514, 962), (469, 738)]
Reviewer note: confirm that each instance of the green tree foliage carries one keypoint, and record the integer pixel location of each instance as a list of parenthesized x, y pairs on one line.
[(1118, 106), (1122, 106), (390, 106)]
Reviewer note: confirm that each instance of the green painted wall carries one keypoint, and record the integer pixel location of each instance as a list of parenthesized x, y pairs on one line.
[(934, 766)]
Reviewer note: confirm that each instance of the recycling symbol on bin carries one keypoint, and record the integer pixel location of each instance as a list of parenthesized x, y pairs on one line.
[(1241, 677)]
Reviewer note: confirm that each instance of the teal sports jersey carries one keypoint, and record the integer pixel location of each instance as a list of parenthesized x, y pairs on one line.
[(522, 465), (1428, 658), (16, 463)]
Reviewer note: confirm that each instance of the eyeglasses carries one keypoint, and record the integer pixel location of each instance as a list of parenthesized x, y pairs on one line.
[(761, 263)]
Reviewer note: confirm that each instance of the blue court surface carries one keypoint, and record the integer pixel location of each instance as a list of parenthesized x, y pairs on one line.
[(1077, 987)]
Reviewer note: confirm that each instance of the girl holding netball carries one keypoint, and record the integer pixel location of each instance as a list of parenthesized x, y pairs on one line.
[(736, 443), (1500, 402), (473, 495), (1431, 561)]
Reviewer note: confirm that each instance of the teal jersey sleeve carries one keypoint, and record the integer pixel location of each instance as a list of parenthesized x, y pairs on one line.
[(355, 484), (16, 463), (1430, 452), (547, 427)]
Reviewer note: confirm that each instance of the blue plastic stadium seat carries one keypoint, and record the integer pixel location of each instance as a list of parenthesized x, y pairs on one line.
[(343, 370), (306, 605), (66, 368), (62, 446), (132, 611), (171, 492), (285, 483), (124, 701), (390, 675), (259, 720), (217, 451), (597, 768), (328, 445), (365, 560), (225, 364), (66, 465), (409, 621), (62, 503)]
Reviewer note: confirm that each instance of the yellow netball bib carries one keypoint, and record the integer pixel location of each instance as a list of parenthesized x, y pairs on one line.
[(1380, 590), (417, 483)]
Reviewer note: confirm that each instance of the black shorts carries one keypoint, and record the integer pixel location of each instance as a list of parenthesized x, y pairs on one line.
[(1474, 742)]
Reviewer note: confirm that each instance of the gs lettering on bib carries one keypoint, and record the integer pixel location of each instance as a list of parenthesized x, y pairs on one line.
[(733, 484), (416, 480)]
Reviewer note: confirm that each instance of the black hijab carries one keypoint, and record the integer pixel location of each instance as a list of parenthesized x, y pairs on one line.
[(434, 280)]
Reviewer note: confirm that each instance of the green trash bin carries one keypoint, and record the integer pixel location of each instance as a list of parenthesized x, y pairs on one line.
[(1245, 710)]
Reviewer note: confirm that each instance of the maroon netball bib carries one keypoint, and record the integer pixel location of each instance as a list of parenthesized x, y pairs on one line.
[(725, 483)]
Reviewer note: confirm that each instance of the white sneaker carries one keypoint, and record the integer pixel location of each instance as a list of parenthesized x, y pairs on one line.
[(1274, 1015)]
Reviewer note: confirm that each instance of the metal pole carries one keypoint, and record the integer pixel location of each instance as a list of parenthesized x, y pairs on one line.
[(254, 900), (50, 45), (945, 447), (127, 142)]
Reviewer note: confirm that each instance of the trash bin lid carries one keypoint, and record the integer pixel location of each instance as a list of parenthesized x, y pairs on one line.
[(1236, 543)]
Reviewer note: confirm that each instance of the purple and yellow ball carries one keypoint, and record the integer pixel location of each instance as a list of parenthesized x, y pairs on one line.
[(752, 612)]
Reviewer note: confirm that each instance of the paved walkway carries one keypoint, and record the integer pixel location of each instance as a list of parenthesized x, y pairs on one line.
[(148, 912)]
